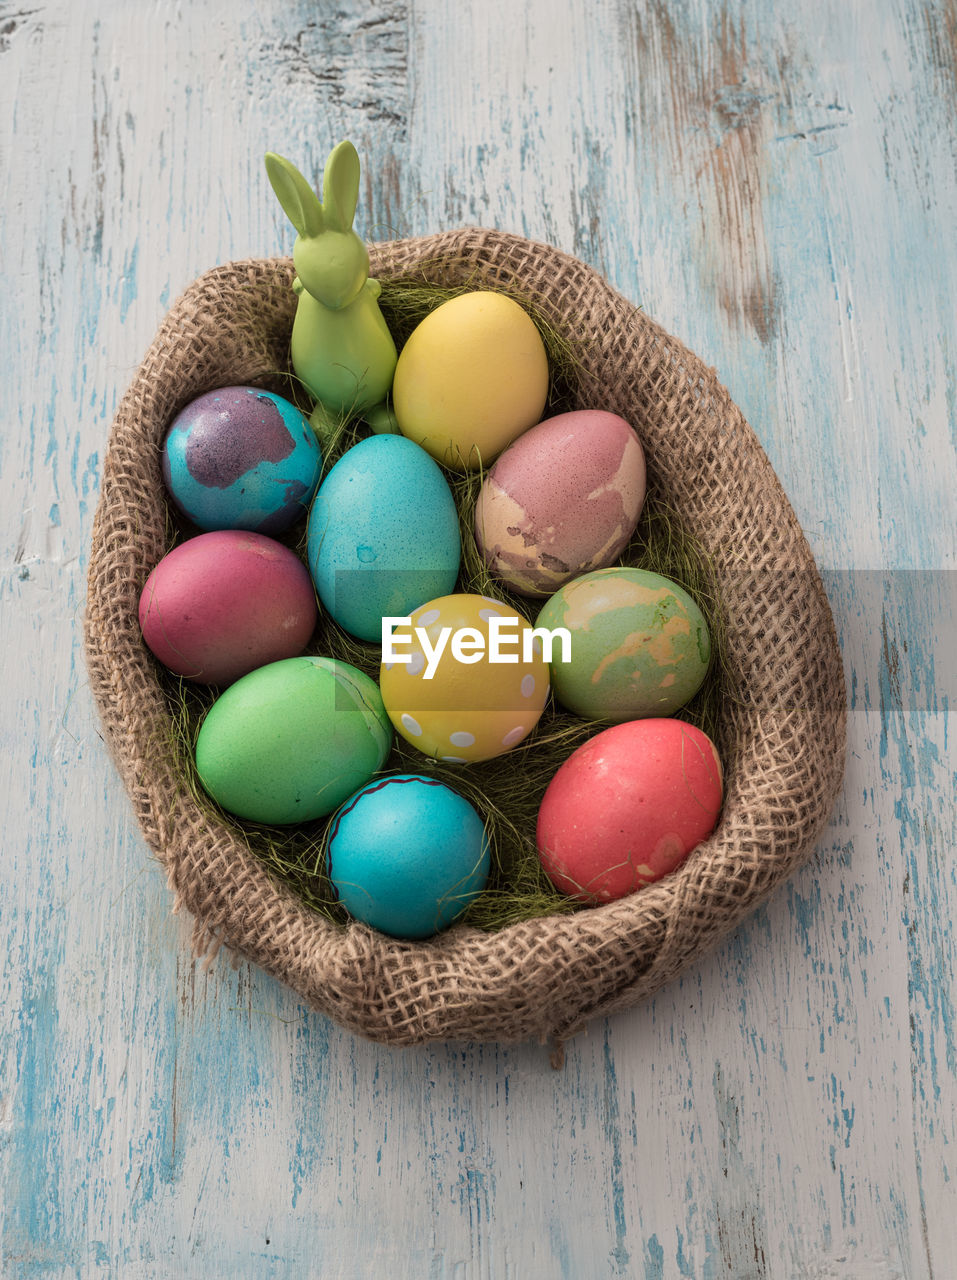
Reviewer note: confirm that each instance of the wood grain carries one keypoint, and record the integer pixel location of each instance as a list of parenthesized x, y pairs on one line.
[(777, 187)]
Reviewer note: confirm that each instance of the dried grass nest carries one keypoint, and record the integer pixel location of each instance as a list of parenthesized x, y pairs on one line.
[(538, 972)]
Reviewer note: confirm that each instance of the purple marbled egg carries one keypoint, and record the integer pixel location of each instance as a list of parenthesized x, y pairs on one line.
[(241, 458), (562, 500)]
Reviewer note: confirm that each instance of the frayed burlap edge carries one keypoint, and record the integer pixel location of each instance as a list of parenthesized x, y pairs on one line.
[(782, 743)]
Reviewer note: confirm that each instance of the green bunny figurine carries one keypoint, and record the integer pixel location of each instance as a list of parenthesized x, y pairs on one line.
[(341, 347)]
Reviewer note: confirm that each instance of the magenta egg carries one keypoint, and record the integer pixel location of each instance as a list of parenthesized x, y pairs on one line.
[(627, 807), (224, 603), (562, 500)]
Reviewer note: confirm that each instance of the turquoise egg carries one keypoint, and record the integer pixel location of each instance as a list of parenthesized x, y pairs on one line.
[(407, 855), (241, 458), (383, 535)]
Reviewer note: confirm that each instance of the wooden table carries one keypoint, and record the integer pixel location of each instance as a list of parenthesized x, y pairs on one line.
[(775, 185)]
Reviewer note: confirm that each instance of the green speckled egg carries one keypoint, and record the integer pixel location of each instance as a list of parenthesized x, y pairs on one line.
[(292, 740), (639, 645)]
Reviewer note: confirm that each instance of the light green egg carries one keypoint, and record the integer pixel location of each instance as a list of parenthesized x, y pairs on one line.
[(290, 741), (638, 645)]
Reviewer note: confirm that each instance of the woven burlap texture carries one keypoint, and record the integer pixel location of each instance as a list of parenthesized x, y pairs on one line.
[(782, 740)]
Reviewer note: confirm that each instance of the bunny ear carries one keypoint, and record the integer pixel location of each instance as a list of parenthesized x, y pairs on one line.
[(340, 186), (300, 203)]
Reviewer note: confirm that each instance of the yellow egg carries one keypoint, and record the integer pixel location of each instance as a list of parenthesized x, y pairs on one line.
[(472, 376), (454, 697)]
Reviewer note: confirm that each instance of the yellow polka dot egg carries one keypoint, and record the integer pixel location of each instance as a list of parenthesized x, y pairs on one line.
[(463, 678)]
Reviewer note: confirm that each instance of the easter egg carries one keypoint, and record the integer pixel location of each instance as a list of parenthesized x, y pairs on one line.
[(472, 376), (563, 499), (290, 741), (223, 603), (407, 855), (383, 534), (241, 458), (639, 645), (465, 680), (627, 806)]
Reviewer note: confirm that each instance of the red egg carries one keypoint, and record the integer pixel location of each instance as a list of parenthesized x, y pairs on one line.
[(627, 807), (224, 603)]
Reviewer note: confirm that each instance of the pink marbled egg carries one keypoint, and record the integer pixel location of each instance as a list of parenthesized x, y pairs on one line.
[(222, 604), (562, 500)]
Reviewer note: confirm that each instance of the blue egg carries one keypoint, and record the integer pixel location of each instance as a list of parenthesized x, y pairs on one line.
[(241, 458), (383, 535), (407, 855)]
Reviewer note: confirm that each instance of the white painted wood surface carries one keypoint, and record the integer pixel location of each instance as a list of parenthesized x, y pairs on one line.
[(776, 185)]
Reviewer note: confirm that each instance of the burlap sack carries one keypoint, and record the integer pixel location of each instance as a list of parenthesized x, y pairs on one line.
[(782, 743)]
